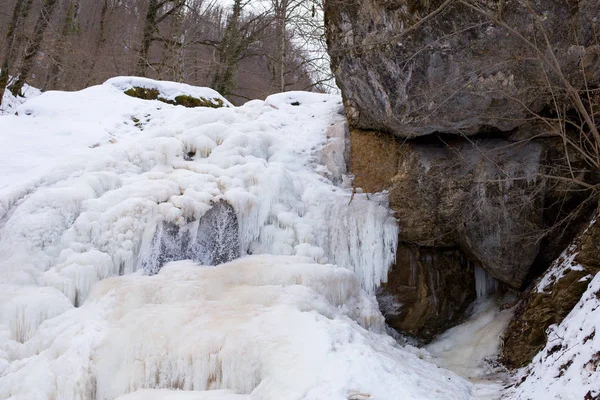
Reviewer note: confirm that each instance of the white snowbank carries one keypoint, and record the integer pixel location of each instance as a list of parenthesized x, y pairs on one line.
[(51, 128), (569, 366), (168, 90), (10, 103), (273, 327)]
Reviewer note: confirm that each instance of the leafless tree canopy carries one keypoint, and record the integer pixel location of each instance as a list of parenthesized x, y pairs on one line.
[(246, 50)]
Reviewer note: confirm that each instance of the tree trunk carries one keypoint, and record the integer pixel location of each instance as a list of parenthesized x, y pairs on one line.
[(20, 12), (229, 51), (100, 39), (280, 33), (149, 28), (34, 46), (69, 27)]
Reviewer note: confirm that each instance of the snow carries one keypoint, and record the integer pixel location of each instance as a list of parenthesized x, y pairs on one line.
[(95, 215), (266, 326), (569, 365), (51, 128), (88, 196), (10, 103)]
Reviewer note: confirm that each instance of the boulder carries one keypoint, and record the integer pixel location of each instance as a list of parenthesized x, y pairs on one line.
[(412, 68), (487, 197)]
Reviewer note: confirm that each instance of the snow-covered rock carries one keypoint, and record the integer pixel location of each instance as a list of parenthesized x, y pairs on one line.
[(569, 365), (170, 91)]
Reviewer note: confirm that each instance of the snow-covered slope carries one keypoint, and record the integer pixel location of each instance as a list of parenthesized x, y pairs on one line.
[(104, 172), (50, 128), (569, 365)]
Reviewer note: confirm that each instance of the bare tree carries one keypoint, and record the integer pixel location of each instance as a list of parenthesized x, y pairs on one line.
[(70, 26), (240, 32), (20, 13), (34, 46), (157, 12)]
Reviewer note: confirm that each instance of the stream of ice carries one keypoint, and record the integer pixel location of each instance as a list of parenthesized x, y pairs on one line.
[(471, 348)]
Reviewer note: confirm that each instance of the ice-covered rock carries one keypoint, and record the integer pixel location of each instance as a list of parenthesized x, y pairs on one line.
[(211, 240)]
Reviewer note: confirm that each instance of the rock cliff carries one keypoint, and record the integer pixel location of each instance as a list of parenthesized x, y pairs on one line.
[(453, 107), (458, 66)]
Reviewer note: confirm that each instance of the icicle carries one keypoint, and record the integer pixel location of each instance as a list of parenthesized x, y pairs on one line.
[(484, 283)]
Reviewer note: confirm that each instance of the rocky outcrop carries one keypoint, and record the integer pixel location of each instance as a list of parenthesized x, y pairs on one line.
[(462, 203), (417, 67), (211, 240), (427, 290), (551, 298), (487, 197), (452, 109)]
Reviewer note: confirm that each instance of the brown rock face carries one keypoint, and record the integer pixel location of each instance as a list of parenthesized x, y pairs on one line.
[(485, 197), (427, 290), (417, 67), (526, 334), (460, 203)]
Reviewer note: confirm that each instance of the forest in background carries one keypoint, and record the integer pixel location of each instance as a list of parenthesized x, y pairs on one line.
[(245, 49)]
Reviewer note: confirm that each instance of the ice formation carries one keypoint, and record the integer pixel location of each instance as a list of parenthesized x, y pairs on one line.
[(271, 327), (471, 349), (485, 285), (113, 201), (211, 240), (96, 215)]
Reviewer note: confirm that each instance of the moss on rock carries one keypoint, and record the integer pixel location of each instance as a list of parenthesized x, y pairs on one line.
[(191, 102), (142, 93), (182, 100)]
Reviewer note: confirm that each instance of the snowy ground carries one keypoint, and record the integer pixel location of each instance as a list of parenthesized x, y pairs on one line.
[(569, 365), (89, 177), (10, 103)]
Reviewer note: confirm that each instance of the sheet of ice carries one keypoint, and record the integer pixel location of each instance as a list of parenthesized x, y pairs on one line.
[(485, 285), (569, 365), (77, 222), (166, 394), (271, 327), (471, 349)]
